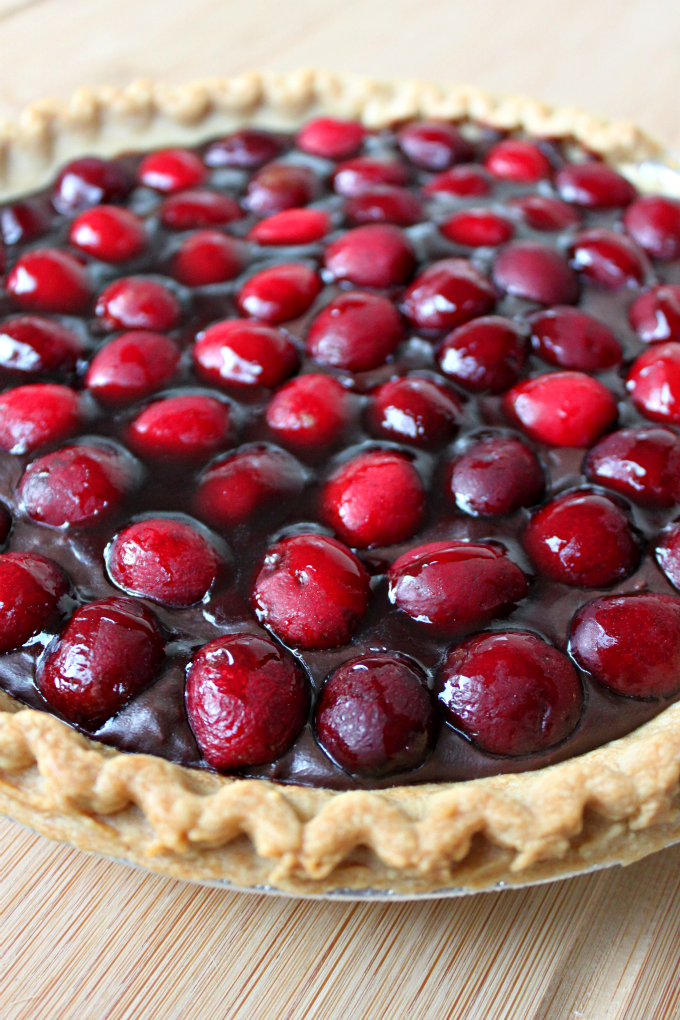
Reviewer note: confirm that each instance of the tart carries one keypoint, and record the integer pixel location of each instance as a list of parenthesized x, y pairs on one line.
[(340, 481)]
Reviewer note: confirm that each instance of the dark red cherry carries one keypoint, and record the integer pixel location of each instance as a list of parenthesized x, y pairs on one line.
[(78, 484), (33, 416), (163, 559), (447, 294), (32, 592), (456, 585), (108, 233), (132, 367), (254, 479), (190, 210), (434, 144), (244, 150), (654, 224), (31, 345), (91, 181), (511, 693), (582, 539), (375, 716), (654, 383), (464, 181), (594, 186), (377, 498), (170, 170), (668, 552), (562, 408), (570, 338), (312, 591), (519, 161), (655, 315), (495, 476), (546, 214), (279, 293), (49, 280), (189, 428), (280, 186), (24, 221), (247, 700), (364, 172), (208, 256), (108, 652), (356, 332), (309, 413), (243, 354), (641, 463), (416, 411), (378, 255), (477, 228), (533, 271), (630, 643), (292, 226), (384, 204), (330, 138), (486, 354), (607, 258), (136, 302)]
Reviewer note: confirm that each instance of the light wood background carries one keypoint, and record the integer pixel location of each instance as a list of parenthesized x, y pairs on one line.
[(84, 939)]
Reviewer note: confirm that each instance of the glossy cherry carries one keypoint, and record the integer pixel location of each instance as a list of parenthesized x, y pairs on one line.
[(533, 271), (37, 415), (280, 293), (415, 410), (33, 593), (200, 207), (594, 185), (546, 214), (280, 186), (654, 383), (170, 170), (608, 259), (292, 226), (330, 137), (640, 463), (24, 221), (668, 552), (496, 475), (447, 294), (654, 224), (377, 255), (238, 354), (655, 315), (90, 181), (570, 338), (246, 149), (108, 233), (364, 172), (464, 181), (33, 346), (476, 228), (519, 161), (137, 302), (49, 280), (309, 413), (189, 428), (385, 203), (562, 408), (486, 354), (356, 332), (434, 144), (132, 367), (208, 256)]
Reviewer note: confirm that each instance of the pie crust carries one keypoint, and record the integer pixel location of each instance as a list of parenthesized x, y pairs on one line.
[(612, 805)]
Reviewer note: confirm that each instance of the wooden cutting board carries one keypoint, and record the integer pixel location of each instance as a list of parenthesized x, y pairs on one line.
[(84, 939)]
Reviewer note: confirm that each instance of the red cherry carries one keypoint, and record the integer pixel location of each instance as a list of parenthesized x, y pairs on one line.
[(24, 221), (364, 172), (608, 259), (582, 539), (78, 484), (594, 186), (108, 233), (310, 412), (190, 210), (131, 367), (256, 478), (654, 383), (33, 416), (280, 186), (330, 138), (477, 228), (533, 271), (356, 332), (464, 181), (518, 161), (447, 294), (485, 354), (562, 408), (109, 651), (292, 226), (455, 585), (546, 214), (242, 354), (247, 701), (170, 170), (654, 224), (91, 181), (511, 693), (135, 302), (30, 345), (416, 411), (375, 499), (497, 475), (434, 144), (379, 255), (165, 560), (668, 553), (384, 204), (280, 293), (49, 280), (189, 427), (312, 591), (246, 149), (630, 643), (569, 338), (32, 590), (206, 257), (375, 716), (655, 315), (641, 463)]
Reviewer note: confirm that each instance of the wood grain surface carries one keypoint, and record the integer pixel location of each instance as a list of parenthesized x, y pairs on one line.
[(85, 939)]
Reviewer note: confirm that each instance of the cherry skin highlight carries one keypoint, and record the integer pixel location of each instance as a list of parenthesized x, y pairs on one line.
[(668, 553), (572, 339), (37, 415), (187, 428), (279, 294), (330, 137), (608, 259), (49, 280), (434, 145), (385, 203), (654, 383), (416, 411), (171, 170), (594, 186), (136, 302), (447, 294), (497, 475), (278, 186), (463, 181), (378, 255), (518, 161), (562, 408), (476, 228), (206, 257), (33, 592), (109, 233), (193, 209), (90, 181), (356, 332), (246, 149), (242, 355), (359, 174), (486, 354), (529, 270), (292, 226), (309, 413), (655, 315), (654, 224), (640, 463), (546, 214), (132, 367), (33, 346)]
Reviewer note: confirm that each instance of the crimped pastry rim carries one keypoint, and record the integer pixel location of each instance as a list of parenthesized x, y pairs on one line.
[(612, 805)]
